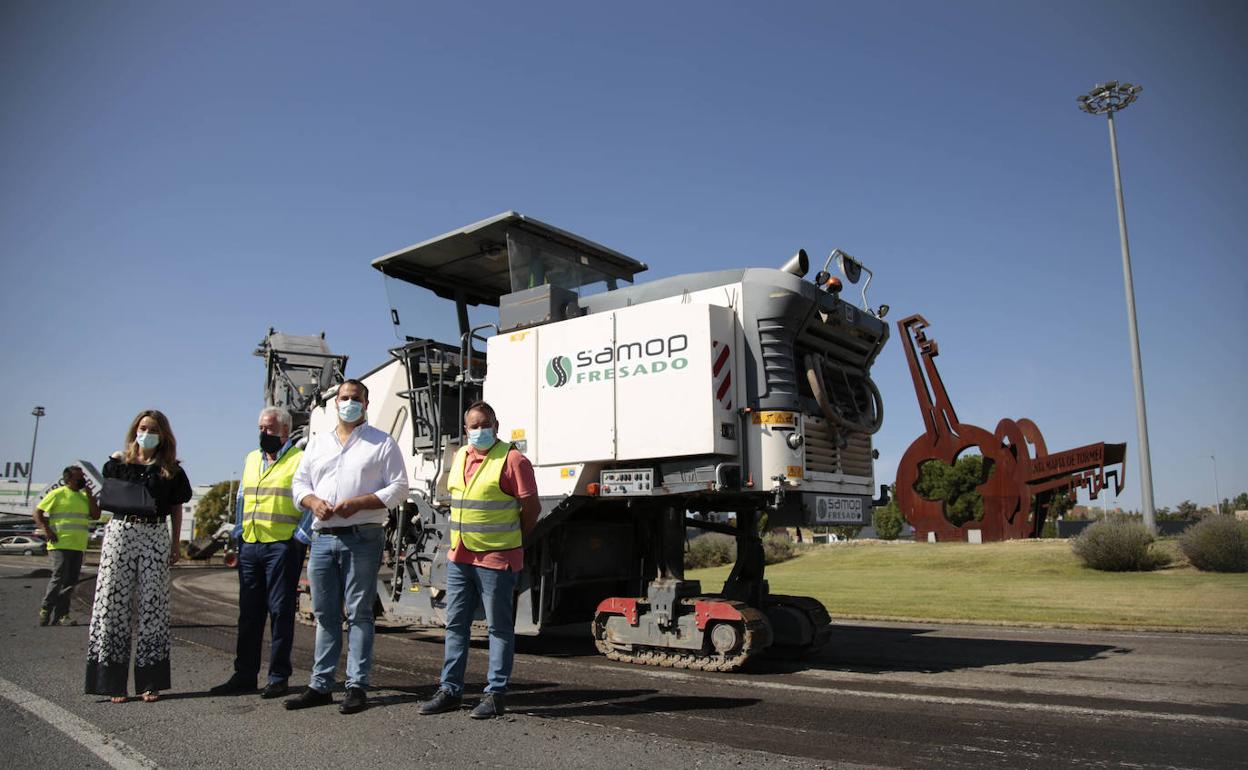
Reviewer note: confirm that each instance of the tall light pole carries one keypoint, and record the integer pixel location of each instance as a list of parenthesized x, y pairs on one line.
[(1106, 99), (30, 469), (1217, 496)]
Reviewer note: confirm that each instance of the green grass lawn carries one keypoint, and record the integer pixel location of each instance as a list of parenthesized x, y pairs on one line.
[(1023, 582)]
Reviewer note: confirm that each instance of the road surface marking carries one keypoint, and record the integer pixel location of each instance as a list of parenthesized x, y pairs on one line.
[(110, 750), (945, 700)]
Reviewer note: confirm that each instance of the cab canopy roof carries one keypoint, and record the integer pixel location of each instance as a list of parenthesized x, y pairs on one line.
[(483, 261)]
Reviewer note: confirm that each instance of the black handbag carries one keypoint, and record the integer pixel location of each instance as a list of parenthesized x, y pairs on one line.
[(126, 498)]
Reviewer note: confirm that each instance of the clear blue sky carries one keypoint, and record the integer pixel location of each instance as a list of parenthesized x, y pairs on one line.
[(177, 177)]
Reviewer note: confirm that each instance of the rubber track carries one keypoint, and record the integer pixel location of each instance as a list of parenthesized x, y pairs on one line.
[(757, 638)]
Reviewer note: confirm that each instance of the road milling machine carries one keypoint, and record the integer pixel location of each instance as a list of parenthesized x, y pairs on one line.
[(643, 409)]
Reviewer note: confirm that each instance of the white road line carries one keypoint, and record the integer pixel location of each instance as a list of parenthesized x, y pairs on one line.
[(944, 700), (110, 750)]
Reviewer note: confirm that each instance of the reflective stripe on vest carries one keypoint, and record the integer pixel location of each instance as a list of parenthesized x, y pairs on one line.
[(269, 510), (483, 516), (71, 528)]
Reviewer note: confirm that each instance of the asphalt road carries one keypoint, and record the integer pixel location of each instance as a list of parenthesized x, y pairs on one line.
[(880, 695)]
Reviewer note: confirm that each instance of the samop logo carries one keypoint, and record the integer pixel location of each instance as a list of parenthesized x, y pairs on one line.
[(558, 371)]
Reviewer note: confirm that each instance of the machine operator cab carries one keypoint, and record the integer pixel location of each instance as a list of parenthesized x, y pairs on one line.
[(533, 272)]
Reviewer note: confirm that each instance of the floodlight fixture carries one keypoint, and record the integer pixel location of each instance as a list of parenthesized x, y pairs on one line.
[(1109, 97)]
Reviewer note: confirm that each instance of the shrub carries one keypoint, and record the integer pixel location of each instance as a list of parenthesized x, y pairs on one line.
[(1217, 544), (1117, 544), (778, 548), (710, 550), (846, 532), (1050, 528), (888, 521)]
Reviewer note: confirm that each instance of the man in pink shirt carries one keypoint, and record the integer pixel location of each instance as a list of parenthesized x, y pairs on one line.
[(493, 505)]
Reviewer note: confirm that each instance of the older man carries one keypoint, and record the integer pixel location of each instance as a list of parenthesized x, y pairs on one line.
[(273, 532), (493, 504), (63, 514), (348, 478)]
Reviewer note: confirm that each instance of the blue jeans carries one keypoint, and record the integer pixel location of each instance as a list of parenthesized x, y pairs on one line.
[(268, 584), (468, 587), (343, 570)]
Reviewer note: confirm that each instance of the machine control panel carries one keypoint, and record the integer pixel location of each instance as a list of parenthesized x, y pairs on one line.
[(627, 482)]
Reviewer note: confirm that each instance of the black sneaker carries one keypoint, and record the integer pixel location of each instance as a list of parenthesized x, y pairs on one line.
[(309, 698), (355, 702), (237, 685), (275, 689), (490, 706), (441, 702)]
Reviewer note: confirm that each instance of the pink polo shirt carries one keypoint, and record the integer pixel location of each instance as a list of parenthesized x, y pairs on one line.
[(516, 480)]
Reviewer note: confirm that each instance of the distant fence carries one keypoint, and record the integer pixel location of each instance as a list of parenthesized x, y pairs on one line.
[(1164, 528)]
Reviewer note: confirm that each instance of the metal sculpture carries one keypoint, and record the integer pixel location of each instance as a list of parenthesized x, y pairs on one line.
[(1024, 478)]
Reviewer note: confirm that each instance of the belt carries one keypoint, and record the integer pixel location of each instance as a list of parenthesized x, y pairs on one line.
[(141, 519), (351, 530)]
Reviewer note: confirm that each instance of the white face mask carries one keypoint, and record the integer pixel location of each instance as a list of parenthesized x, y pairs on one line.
[(350, 411), (148, 441), (481, 438)]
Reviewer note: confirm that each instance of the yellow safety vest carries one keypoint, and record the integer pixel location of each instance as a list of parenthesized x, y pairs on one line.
[(483, 516), (68, 517), (269, 510)]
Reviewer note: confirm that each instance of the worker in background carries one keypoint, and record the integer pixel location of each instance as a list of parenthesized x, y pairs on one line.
[(64, 515), (273, 533), (348, 478), (493, 505)]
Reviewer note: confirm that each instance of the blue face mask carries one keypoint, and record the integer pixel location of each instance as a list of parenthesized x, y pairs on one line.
[(350, 411), (481, 438), (148, 441)]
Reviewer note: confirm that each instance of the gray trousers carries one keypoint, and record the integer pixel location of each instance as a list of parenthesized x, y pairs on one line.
[(66, 565)]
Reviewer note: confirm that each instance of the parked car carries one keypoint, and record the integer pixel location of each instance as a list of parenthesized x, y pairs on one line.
[(23, 544)]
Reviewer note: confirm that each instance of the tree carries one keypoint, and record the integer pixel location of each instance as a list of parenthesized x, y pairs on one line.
[(1057, 509), (1060, 505), (955, 485), (215, 508), (1187, 510), (1240, 503), (888, 520)]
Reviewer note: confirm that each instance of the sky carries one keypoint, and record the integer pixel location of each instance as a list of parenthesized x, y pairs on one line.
[(177, 177)]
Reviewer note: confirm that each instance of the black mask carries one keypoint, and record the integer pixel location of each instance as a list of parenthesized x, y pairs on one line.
[(270, 444)]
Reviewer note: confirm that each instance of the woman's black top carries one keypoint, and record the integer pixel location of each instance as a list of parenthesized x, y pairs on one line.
[(166, 492)]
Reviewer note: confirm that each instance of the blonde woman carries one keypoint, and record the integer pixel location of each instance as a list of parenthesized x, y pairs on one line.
[(138, 551)]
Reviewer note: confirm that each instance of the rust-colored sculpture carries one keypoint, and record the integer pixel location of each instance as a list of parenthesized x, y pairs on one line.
[(1022, 468)]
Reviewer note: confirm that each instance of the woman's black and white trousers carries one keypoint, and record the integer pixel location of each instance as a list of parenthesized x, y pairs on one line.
[(134, 573)]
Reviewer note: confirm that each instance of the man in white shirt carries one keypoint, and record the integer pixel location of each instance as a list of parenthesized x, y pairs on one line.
[(348, 478)]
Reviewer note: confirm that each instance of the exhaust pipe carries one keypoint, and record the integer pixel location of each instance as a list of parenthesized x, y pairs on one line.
[(798, 264)]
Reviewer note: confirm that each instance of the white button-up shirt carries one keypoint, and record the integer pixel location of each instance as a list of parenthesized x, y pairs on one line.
[(369, 463)]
